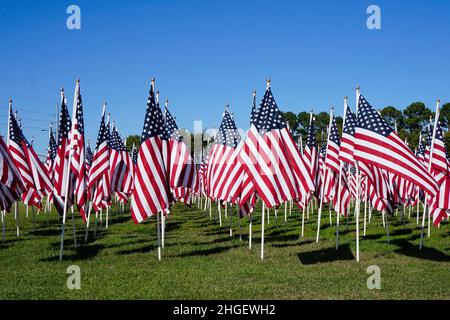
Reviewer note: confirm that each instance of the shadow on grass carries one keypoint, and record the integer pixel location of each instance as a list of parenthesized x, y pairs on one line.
[(207, 252), (326, 255), (406, 248), (145, 249), (82, 252), (46, 232), (293, 244)]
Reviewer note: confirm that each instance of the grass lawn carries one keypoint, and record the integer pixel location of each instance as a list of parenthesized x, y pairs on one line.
[(201, 261)]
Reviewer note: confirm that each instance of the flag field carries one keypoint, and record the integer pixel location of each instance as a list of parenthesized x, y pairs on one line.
[(201, 261)]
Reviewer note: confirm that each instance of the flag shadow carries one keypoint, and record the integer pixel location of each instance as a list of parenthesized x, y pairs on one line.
[(326, 255), (406, 248)]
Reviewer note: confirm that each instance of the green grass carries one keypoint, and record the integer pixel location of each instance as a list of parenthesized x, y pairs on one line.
[(200, 261)]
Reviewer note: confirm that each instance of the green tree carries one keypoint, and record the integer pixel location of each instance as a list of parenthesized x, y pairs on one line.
[(291, 119), (393, 116), (445, 115), (417, 116), (133, 139)]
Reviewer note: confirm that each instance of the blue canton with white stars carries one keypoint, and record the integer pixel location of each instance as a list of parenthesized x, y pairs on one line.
[(268, 117), (154, 122), (368, 118)]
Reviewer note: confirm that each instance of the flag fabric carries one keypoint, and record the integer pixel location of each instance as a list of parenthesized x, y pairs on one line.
[(51, 154), (181, 167), (62, 170), (11, 183), (271, 157), (78, 160), (377, 144), (99, 177), (347, 140), (223, 166), (311, 155), (32, 170), (440, 170), (151, 191), (121, 167)]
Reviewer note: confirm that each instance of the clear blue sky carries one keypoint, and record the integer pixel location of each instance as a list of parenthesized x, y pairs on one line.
[(205, 54)]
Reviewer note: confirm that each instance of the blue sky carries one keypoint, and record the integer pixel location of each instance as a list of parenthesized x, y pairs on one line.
[(205, 54)]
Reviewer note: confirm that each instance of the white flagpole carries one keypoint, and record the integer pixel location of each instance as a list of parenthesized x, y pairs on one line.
[(285, 212), (163, 228), (436, 119), (88, 220), (231, 220), (220, 212), (303, 214), (3, 225), (323, 182), (365, 207), (250, 231), (66, 183), (107, 216), (262, 230), (158, 226), (16, 209)]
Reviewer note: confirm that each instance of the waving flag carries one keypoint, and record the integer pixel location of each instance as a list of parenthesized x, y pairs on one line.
[(348, 133), (11, 183), (51, 154), (78, 162), (62, 170), (311, 154), (271, 157), (377, 144), (182, 171), (151, 191), (99, 173), (31, 169)]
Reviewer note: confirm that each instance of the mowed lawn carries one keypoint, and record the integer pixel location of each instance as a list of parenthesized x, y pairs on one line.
[(201, 261)]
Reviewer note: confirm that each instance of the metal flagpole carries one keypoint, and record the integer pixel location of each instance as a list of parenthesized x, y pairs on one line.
[(365, 206), (220, 212), (285, 212), (231, 220), (66, 183), (158, 226), (163, 228), (262, 230), (429, 170), (250, 231), (303, 214), (323, 182), (3, 225)]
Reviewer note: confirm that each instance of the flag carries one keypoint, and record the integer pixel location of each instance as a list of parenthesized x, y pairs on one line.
[(348, 133), (99, 178), (311, 154), (271, 157), (377, 144), (11, 183), (181, 167), (51, 154), (78, 160), (32, 170), (151, 191), (62, 170)]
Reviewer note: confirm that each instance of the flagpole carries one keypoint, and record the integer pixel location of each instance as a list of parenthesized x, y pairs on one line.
[(365, 206), (231, 220), (262, 230), (66, 183), (3, 225), (158, 226), (16, 214), (303, 214), (323, 177), (340, 180), (436, 119), (358, 179), (250, 232)]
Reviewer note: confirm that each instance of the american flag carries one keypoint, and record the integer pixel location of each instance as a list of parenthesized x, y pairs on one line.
[(78, 161), (440, 170), (377, 144), (181, 166), (62, 169), (134, 154), (89, 157), (51, 154), (121, 167), (348, 133), (99, 178), (32, 170), (271, 157), (311, 154), (151, 191), (11, 185), (332, 154), (223, 166)]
